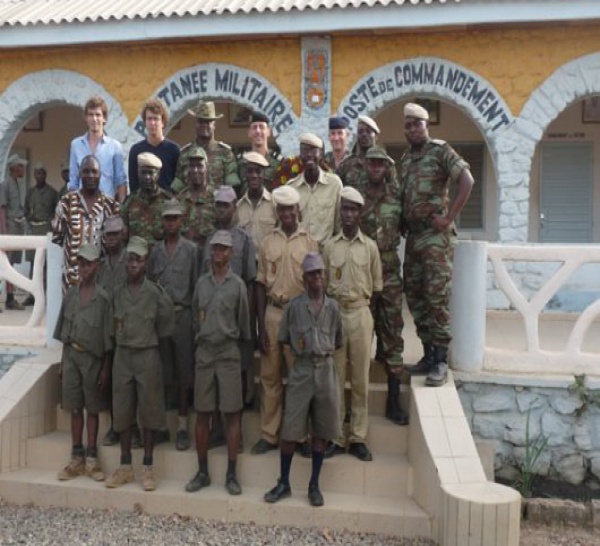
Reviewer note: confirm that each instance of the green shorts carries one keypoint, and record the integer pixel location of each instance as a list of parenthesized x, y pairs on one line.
[(183, 343), (218, 383), (15, 228), (137, 379), (312, 390), (80, 375)]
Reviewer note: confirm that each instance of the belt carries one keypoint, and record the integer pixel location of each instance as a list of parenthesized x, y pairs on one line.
[(353, 304), (180, 307), (78, 348), (42, 223), (276, 303), (18, 220)]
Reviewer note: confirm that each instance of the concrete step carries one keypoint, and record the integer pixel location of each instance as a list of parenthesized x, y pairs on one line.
[(388, 475), (383, 436), (355, 512)]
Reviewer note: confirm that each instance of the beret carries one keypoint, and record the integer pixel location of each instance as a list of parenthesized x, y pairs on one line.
[(286, 195), (311, 140), (256, 158), (369, 122), (412, 110), (146, 159), (351, 194), (312, 262)]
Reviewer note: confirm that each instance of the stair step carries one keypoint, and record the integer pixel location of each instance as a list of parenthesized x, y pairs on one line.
[(354, 512)]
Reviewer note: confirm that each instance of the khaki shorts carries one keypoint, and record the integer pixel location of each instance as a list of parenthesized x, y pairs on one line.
[(80, 375), (137, 379), (183, 342), (218, 383), (312, 390), (15, 228)]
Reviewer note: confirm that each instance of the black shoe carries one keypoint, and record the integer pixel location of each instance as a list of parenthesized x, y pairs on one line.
[(304, 449), (232, 485), (333, 449), (280, 491), (162, 436), (216, 438), (29, 301), (199, 481), (14, 305), (360, 451), (182, 442), (262, 446), (397, 416), (439, 372), (136, 438), (315, 497), (424, 366), (111, 437)]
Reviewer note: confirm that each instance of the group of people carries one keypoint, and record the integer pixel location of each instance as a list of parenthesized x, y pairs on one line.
[(211, 257)]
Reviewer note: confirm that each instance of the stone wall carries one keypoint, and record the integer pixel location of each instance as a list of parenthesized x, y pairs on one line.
[(497, 410)]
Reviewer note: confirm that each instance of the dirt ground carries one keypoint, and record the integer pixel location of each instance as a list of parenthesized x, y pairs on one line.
[(537, 535)]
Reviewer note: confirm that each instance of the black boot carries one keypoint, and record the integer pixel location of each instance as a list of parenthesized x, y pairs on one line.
[(393, 411), (424, 366), (439, 372)]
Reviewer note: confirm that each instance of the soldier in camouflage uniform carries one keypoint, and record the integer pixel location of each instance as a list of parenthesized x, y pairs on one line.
[(197, 200), (427, 169), (259, 133), (222, 165), (381, 220), (353, 169), (142, 211), (338, 137)]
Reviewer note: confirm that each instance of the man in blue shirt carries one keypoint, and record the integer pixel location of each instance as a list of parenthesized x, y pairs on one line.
[(107, 151)]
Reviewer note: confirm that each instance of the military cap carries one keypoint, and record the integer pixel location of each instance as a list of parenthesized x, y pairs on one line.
[(146, 159), (137, 245), (311, 139), (369, 122), (259, 117), (88, 252), (351, 194), (113, 224), (225, 194), (312, 262), (412, 110), (285, 195), (222, 237), (256, 158), (205, 110), (198, 152), (172, 207), (39, 166), (377, 152), (16, 159), (338, 123)]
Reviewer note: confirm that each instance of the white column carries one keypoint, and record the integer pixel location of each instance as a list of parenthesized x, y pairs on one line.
[(54, 295)]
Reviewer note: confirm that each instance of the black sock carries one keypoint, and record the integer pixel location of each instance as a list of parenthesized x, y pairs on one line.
[(91, 452), (317, 463), (148, 460), (231, 468), (286, 464), (125, 458), (203, 464), (77, 451)]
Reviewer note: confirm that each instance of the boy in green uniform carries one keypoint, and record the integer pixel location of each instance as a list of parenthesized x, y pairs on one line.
[(143, 314), (312, 326), (84, 326)]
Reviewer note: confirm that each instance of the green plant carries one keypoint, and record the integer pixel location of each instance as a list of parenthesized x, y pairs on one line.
[(534, 447), (587, 396)]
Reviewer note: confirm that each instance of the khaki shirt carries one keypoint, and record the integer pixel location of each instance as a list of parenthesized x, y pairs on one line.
[(243, 256), (258, 221), (10, 197), (141, 319), (40, 204), (220, 311), (280, 263), (177, 273), (319, 204), (90, 325), (353, 269)]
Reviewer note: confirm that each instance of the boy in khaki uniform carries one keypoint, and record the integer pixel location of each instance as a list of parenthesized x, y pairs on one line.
[(143, 314), (84, 326)]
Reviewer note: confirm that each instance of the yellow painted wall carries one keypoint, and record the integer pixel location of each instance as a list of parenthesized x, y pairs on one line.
[(514, 61), (131, 73)]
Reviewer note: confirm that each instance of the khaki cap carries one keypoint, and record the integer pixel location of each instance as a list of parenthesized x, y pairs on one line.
[(205, 110), (285, 195), (172, 207), (16, 159), (351, 194), (137, 245), (312, 262), (311, 139), (377, 152), (412, 110), (369, 122), (88, 252), (222, 237), (225, 194), (198, 153), (256, 158), (113, 224), (39, 166), (146, 159)]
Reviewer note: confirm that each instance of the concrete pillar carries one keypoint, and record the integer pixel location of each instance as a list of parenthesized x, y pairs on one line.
[(468, 306), (54, 295)]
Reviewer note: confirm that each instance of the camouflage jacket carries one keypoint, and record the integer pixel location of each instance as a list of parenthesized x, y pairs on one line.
[(198, 216), (353, 171), (142, 215)]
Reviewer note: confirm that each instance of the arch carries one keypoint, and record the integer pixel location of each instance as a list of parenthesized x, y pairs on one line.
[(37, 91), (232, 83)]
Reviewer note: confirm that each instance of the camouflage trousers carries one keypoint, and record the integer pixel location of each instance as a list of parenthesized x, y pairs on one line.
[(428, 284), (388, 320)]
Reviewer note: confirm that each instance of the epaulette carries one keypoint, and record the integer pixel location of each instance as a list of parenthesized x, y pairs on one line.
[(438, 142), (188, 145), (223, 145)]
